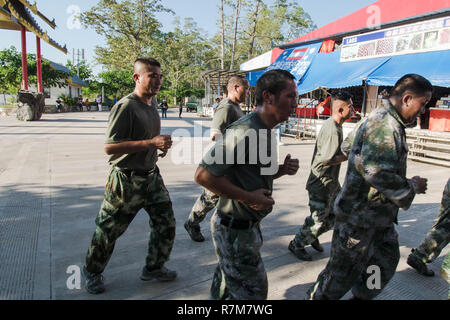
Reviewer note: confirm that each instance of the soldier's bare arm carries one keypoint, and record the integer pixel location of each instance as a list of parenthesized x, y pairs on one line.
[(257, 200), (335, 161)]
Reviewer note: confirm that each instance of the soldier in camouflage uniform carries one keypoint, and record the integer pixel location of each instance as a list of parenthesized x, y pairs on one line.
[(245, 187), (323, 182), (436, 240), (134, 182), (375, 188), (445, 271), (225, 114)]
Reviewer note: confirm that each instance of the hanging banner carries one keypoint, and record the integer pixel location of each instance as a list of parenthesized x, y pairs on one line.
[(432, 35), (296, 60)]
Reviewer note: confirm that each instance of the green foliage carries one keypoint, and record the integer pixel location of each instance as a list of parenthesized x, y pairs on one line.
[(68, 101), (131, 30), (11, 72), (83, 70)]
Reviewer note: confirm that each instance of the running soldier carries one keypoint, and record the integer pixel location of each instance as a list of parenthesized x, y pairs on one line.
[(323, 183), (375, 188), (225, 114), (245, 186), (134, 182), (436, 240)]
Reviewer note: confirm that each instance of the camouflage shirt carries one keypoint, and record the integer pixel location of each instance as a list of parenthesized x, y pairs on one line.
[(347, 144), (375, 185)]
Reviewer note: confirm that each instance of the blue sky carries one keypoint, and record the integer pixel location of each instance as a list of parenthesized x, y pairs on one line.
[(204, 12)]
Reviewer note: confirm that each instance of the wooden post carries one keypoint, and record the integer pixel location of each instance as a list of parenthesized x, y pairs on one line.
[(24, 59), (39, 65)]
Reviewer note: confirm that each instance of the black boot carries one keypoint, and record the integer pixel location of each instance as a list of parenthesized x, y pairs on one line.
[(299, 252), (194, 231), (419, 265)]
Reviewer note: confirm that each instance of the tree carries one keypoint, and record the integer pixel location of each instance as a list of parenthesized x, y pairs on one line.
[(116, 84), (235, 30), (262, 28), (82, 69), (222, 38), (186, 52), (11, 72), (130, 28), (253, 21)]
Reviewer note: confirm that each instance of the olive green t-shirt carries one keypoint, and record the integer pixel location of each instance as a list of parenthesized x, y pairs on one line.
[(226, 113), (328, 145), (245, 167), (132, 120)]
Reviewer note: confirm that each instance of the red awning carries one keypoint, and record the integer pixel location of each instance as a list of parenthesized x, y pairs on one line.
[(390, 10)]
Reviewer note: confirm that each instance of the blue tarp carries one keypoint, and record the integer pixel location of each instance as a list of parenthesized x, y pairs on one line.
[(253, 77), (327, 71), (297, 60), (435, 66)]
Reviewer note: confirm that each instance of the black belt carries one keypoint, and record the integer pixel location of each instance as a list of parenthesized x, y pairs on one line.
[(233, 223), (142, 173)]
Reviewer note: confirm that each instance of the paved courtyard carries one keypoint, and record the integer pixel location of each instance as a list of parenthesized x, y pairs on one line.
[(52, 176)]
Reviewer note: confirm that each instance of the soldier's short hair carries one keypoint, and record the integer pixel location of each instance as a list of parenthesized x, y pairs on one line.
[(413, 83), (147, 61), (341, 95), (236, 80), (273, 81)]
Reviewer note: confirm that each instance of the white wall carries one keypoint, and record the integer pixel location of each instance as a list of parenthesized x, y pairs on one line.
[(55, 92)]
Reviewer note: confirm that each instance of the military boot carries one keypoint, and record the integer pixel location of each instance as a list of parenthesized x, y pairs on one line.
[(317, 246), (299, 252), (193, 230), (94, 282), (162, 274), (419, 265)]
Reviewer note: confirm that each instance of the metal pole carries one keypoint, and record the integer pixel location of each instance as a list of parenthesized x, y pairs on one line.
[(39, 65), (24, 58), (219, 87), (363, 109)]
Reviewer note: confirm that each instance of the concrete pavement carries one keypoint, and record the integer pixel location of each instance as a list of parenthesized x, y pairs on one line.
[(52, 176)]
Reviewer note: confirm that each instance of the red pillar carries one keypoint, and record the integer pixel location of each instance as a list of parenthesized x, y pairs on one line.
[(24, 59), (39, 65)]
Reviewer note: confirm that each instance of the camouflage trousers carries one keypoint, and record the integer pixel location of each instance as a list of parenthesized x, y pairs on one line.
[(439, 235), (445, 270), (125, 195), (353, 251), (204, 204), (321, 219), (240, 274), (436, 240)]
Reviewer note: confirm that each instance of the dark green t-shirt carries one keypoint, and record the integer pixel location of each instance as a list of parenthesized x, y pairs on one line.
[(226, 113), (328, 145), (249, 141), (132, 120)]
